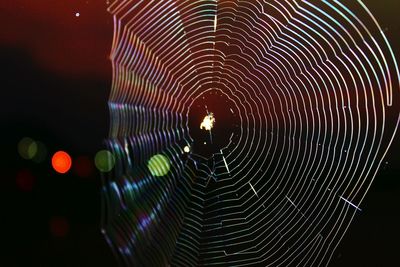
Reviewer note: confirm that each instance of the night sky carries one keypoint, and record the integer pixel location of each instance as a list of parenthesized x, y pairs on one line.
[(56, 78)]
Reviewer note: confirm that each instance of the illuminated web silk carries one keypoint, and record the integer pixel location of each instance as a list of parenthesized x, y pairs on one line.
[(313, 92)]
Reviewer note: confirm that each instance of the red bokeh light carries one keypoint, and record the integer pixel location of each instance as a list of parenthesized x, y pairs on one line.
[(83, 166), (61, 162), (25, 180), (59, 226)]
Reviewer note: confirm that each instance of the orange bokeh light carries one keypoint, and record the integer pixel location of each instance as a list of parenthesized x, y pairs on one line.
[(61, 162)]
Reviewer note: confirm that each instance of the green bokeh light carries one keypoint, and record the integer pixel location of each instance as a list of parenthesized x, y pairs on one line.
[(41, 152), (32, 150), (27, 148), (159, 165), (104, 161)]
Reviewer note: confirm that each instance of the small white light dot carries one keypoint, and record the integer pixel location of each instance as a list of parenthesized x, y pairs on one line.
[(77, 14), (186, 149)]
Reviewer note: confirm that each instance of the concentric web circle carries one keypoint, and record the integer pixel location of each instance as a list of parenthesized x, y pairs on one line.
[(304, 101)]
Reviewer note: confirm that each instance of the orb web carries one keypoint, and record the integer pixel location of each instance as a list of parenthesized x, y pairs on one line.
[(305, 99)]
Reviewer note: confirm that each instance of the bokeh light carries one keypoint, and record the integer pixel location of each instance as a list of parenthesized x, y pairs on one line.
[(31, 149), (25, 180), (61, 162), (27, 148), (41, 152), (59, 226), (83, 166), (159, 165), (104, 161)]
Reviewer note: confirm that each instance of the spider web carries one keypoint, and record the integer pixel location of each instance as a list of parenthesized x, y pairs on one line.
[(305, 98)]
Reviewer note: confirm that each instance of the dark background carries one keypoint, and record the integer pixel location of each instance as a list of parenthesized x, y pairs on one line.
[(55, 80)]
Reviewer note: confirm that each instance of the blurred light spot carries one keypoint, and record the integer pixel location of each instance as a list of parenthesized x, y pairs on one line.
[(186, 149), (32, 150), (25, 180), (27, 148), (77, 14), (83, 166), (159, 165), (59, 226), (61, 162), (41, 152), (104, 161)]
